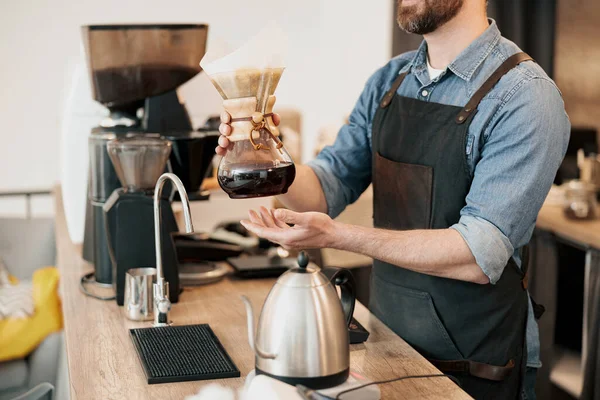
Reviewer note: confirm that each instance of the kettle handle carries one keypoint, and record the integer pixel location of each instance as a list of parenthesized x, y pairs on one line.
[(343, 278)]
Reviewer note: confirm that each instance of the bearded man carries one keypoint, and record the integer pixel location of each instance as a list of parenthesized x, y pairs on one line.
[(461, 139)]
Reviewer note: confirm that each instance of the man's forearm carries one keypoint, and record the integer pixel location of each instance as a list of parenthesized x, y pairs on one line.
[(306, 193), (440, 252)]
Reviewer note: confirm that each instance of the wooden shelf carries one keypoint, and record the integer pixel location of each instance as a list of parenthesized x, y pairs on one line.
[(586, 233), (567, 373)]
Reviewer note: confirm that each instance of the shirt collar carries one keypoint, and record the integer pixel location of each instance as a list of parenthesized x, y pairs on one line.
[(467, 62)]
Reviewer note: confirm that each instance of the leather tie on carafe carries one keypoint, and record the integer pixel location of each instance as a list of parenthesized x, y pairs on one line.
[(258, 121)]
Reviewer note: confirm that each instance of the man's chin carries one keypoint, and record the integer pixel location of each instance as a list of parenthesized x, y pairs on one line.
[(425, 16), (409, 22)]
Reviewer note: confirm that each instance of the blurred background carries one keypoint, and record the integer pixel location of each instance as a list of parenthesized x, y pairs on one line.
[(334, 46), (47, 112), (333, 49)]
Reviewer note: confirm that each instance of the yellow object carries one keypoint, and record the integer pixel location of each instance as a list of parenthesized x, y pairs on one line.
[(19, 337)]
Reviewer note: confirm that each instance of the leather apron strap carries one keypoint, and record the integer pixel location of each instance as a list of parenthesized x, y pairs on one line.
[(474, 368), (387, 99), (489, 84)]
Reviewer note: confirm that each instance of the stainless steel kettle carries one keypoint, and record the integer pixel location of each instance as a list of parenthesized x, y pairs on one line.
[(302, 332)]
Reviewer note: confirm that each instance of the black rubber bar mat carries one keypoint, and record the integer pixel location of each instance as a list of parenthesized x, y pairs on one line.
[(182, 353)]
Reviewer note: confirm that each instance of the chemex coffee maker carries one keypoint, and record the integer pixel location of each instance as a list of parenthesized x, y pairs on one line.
[(256, 164), (135, 71)]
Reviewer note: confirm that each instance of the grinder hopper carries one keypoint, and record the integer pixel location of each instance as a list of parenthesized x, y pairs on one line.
[(128, 63)]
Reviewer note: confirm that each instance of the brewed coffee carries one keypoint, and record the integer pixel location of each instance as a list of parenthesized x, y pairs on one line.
[(243, 180)]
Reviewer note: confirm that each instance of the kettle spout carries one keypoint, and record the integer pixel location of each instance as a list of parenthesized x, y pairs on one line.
[(251, 339)]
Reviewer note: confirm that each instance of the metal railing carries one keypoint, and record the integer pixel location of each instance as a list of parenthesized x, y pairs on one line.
[(28, 194)]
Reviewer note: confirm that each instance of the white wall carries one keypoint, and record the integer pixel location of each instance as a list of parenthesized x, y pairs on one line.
[(334, 45)]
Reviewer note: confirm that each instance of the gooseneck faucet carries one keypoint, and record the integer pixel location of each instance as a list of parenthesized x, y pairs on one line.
[(162, 305)]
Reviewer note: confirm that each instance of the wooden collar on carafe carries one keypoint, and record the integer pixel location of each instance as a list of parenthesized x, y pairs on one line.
[(246, 123)]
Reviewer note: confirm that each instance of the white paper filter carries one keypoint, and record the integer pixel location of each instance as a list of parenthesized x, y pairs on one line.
[(266, 49), (252, 70)]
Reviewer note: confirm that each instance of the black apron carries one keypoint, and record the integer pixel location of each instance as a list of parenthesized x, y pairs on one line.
[(421, 180)]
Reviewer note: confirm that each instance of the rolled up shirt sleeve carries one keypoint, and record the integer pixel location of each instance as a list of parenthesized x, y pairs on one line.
[(490, 247), (335, 192), (524, 145)]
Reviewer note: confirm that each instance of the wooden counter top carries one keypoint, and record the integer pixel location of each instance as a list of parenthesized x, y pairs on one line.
[(552, 218), (103, 363)]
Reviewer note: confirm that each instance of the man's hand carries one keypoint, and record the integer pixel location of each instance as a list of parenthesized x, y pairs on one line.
[(225, 130), (437, 252), (309, 230)]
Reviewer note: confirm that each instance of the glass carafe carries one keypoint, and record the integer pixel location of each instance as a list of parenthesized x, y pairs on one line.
[(256, 163), (250, 172)]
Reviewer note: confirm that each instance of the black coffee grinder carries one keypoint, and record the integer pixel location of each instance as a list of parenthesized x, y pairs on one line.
[(135, 71), (129, 211)]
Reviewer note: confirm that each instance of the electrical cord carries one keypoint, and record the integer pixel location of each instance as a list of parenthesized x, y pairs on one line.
[(310, 394), (89, 278)]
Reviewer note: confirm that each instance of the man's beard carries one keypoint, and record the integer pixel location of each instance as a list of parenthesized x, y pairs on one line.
[(426, 17)]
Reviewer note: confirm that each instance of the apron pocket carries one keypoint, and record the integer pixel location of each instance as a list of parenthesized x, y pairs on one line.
[(411, 314), (406, 188)]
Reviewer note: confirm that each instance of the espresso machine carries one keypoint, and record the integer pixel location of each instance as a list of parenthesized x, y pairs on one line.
[(135, 71)]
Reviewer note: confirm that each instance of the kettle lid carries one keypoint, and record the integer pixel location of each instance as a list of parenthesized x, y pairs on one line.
[(304, 275)]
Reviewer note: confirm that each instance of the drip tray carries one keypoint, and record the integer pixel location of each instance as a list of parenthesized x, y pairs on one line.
[(182, 353)]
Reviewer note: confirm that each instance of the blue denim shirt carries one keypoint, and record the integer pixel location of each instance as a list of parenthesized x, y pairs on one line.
[(515, 144)]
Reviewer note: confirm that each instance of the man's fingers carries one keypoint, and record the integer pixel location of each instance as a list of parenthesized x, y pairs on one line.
[(225, 117), (276, 119), (288, 216), (223, 142), (224, 145), (254, 217), (267, 218), (285, 237), (272, 234), (252, 227), (225, 129), (279, 222)]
